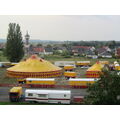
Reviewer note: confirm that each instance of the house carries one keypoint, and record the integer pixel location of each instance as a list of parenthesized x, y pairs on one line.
[(2, 45), (91, 54), (37, 50), (48, 51), (81, 50), (103, 49), (104, 52), (117, 52), (59, 48)]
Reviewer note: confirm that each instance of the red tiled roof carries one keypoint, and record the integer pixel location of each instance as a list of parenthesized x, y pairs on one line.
[(85, 47), (38, 49), (118, 51), (106, 47)]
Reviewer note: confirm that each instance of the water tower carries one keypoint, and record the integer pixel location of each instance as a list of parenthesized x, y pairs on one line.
[(27, 38)]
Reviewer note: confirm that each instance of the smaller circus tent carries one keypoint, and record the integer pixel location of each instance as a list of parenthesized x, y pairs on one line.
[(95, 71), (34, 67)]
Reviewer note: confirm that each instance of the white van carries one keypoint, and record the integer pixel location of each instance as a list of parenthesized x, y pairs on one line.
[(48, 96)]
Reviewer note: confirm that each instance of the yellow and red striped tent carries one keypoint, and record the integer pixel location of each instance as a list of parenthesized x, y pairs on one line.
[(34, 67), (95, 70)]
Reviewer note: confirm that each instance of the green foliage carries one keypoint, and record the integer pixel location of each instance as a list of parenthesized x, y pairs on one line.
[(57, 52), (105, 91), (65, 53), (14, 47), (67, 56), (39, 45), (112, 44)]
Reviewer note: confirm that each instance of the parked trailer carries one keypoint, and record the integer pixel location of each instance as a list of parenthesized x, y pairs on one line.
[(63, 63), (36, 82), (15, 94), (83, 63), (69, 67), (5, 64), (70, 74), (81, 82), (48, 96), (78, 99)]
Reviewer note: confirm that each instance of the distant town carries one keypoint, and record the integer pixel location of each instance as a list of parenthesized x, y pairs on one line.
[(89, 49)]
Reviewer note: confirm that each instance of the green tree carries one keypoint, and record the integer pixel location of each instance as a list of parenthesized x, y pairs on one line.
[(105, 91), (39, 45), (112, 44), (14, 46)]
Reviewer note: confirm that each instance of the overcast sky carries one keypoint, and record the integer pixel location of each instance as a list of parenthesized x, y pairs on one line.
[(71, 27)]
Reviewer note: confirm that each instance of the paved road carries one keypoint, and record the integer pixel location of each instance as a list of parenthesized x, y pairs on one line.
[(4, 96)]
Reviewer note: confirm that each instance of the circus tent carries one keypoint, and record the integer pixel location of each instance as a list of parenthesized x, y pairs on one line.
[(34, 67), (95, 70)]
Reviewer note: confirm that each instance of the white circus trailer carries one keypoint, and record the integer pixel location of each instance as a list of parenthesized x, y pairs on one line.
[(48, 96), (63, 63), (2, 64)]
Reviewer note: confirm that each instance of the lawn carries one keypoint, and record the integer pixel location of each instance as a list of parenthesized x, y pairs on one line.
[(54, 58), (4, 78)]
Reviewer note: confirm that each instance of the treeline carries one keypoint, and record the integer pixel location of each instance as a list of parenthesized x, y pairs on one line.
[(96, 44)]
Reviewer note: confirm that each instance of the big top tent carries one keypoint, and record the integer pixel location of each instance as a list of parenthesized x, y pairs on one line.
[(34, 67)]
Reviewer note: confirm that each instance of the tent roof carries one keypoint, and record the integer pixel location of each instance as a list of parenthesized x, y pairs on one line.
[(96, 67), (34, 64)]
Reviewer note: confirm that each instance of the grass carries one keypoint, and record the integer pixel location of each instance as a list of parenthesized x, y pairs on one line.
[(2, 57), (54, 58), (4, 78)]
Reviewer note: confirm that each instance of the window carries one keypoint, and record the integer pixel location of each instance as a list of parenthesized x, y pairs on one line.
[(64, 95), (30, 94), (42, 95)]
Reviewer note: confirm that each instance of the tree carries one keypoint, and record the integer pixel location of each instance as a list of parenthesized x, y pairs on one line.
[(105, 91), (39, 45), (112, 44), (49, 46), (14, 46)]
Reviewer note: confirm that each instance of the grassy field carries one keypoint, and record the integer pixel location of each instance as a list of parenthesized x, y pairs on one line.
[(54, 58), (4, 78)]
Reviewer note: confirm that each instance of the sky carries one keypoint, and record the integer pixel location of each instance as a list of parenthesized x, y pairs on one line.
[(64, 27)]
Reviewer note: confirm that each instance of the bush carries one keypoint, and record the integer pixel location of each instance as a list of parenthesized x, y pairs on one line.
[(67, 56)]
